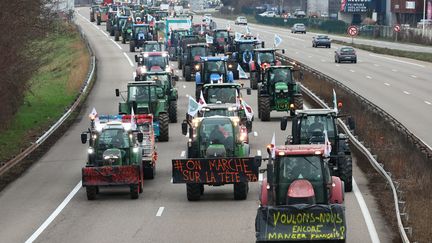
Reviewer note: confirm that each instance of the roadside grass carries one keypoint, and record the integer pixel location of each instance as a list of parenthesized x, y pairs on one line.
[(54, 88)]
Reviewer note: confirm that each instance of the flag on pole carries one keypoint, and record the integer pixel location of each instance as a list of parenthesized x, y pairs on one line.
[(209, 39), (248, 110), (94, 117), (248, 31), (238, 36), (335, 107), (273, 146), (277, 40), (202, 29), (201, 100), (238, 102), (133, 122), (327, 148), (242, 73), (193, 106)]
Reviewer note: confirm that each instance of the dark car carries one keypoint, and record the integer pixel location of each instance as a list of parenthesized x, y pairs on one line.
[(321, 40), (345, 53)]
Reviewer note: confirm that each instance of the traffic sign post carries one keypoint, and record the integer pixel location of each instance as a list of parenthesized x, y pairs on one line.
[(397, 29), (352, 31)]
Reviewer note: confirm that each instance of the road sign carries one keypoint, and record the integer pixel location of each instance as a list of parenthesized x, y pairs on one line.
[(353, 30), (397, 28)]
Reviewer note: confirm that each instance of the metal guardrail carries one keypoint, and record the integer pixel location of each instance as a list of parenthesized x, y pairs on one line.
[(11, 163), (358, 144)]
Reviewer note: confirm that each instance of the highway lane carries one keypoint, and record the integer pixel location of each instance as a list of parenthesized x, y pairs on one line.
[(27, 202), (401, 86)]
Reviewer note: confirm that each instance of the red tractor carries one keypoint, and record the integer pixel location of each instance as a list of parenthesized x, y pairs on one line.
[(300, 201), (263, 58)]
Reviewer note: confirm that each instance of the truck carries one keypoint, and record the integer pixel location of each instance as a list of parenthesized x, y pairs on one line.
[(299, 200)]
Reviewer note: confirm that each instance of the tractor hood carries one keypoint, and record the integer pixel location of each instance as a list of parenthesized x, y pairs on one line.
[(281, 86), (143, 108), (112, 157), (215, 77)]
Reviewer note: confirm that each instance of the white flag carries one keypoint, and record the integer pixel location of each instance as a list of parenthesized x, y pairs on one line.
[(242, 73), (328, 147), (248, 31), (238, 36), (335, 106), (201, 100), (209, 39), (133, 122), (277, 40), (273, 146), (93, 114), (193, 107), (248, 110)]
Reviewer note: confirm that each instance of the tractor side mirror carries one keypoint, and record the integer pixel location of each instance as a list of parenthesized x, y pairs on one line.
[(283, 51), (262, 44), (136, 58), (184, 128), (83, 138), (248, 91), (140, 137), (117, 92), (284, 123)]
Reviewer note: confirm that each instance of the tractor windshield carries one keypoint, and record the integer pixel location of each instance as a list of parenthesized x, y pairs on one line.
[(112, 138), (222, 94), (198, 51), (313, 126), (221, 34), (266, 57), (104, 9), (300, 168), (156, 63), (280, 75), (215, 67), (246, 47), (122, 22), (217, 112), (143, 29), (160, 79), (152, 47), (142, 93), (218, 131)]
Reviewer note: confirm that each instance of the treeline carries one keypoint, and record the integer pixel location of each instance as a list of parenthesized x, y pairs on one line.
[(22, 23)]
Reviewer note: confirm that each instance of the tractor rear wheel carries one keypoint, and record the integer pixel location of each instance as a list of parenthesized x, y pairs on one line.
[(108, 25), (116, 35), (179, 63), (172, 110), (92, 19), (183, 71), (91, 192), (345, 170), (132, 46), (264, 108), (241, 190), (123, 38), (193, 191), (149, 173), (163, 127), (134, 191), (188, 73), (98, 21), (254, 80)]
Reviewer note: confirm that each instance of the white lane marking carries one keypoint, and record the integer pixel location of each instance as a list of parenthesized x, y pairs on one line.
[(366, 215), (310, 56), (187, 96), (394, 70), (413, 76), (184, 86), (255, 134), (406, 92), (258, 152), (376, 65), (54, 214), (133, 75), (182, 154), (113, 41), (396, 60), (129, 60), (260, 177), (171, 180), (387, 84), (427, 102), (369, 77), (160, 211), (352, 71), (103, 32), (337, 65)]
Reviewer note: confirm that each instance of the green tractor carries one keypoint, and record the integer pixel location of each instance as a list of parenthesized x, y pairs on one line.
[(315, 126), (167, 81), (148, 98), (116, 25), (114, 156), (261, 60), (126, 30), (278, 91), (216, 156)]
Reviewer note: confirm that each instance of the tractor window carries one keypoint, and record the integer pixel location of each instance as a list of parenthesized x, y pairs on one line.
[(215, 67), (198, 51), (246, 47), (218, 131), (104, 9), (218, 112), (223, 94), (113, 138), (155, 62), (280, 75), (159, 79), (312, 128), (143, 29), (301, 168), (122, 22), (152, 47), (221, 34), (142, 93), (266, 57)]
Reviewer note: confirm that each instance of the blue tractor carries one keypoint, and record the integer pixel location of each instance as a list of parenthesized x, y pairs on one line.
[(241, 52), (212, 70)]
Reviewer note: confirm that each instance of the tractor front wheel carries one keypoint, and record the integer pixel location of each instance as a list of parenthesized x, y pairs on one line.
[(179, 63), (172, 110), (116, 35), (241, 190), (345, 170), (132, 46), (134, 191), (298, 104), (264, 108), (188, 73), (98, 21), (123, 38), (163, 127), (193, 191), (91, 192), (254, 80), (108, 25)]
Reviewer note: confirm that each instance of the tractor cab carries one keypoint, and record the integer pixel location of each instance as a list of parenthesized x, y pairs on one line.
[(223, 93), (218, 109), (140, 34), (190, 59), (279, 80), (200, 29), (153, 46), (263, 58), (221, 38), (212, 70), (152, 62)]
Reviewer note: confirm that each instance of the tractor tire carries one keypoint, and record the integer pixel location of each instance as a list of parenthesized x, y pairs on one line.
[(172, 111), (134, 191), (345, 170), (132, 46), (298, 102), (188, 73), (149, 173), (108, 25), (92, 19), (112, 31), (163, 127), (116, 35), (241, 190), (179, 63), (91, 192), (254, 80), (202, 189), (259, 111), (98, 21), (193, 191), (123, 39), (183, 71), (264, 108)]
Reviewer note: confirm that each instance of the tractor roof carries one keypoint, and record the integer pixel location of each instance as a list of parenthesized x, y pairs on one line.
[(214, 58), (220, 106), (156, 73), (296, 150), (142, 83), (233, 85), (246, 41), (140, 25), (318, 112), (202, 44), (265, 49), (281, 67), (155, 53)]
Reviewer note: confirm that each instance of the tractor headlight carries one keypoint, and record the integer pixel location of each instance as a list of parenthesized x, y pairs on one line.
[(285, 91), (135, 149), (90, 150), (277, 91), (230, 65), (197, 67)]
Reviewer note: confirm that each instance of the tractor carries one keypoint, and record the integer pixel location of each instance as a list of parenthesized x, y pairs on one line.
[(147, 98), (315, 126), (241, 53), (102, 14), (182, 45), (152, 62), (299, 200), (262, 59), (212, 70), (139, 35), (278, 91), (114, 156), (216, 156), (93, 10), (221, 39), (167, 82), (191, 58), (126, 31), (174, 42), (116, 26)]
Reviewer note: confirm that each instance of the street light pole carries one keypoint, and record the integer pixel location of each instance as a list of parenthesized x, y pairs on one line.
[(424, 16)]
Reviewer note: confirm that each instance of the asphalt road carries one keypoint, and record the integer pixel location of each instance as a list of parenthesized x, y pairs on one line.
[(400, 86), (26, 203)]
